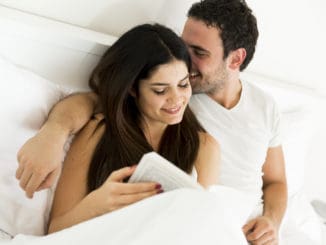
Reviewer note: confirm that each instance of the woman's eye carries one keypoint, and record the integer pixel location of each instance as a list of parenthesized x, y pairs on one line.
[(184, 85), (159, 92)]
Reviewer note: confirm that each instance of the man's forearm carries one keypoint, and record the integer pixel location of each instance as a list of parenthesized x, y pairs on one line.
[(275, 201), (72, 113)]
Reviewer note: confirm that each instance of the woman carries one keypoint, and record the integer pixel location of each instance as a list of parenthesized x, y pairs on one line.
[(142, 83)]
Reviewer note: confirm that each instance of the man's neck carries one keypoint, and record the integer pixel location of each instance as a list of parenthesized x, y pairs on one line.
[(229, 95)]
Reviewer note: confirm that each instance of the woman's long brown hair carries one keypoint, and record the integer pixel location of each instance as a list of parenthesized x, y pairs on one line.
[(133, 57)]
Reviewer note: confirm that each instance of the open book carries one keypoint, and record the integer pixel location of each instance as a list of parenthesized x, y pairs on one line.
[(154, 168)]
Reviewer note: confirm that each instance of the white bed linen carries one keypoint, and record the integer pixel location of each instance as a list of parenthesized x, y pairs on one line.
[(183, 216), (301, 224), (25, 100), (187, 217)]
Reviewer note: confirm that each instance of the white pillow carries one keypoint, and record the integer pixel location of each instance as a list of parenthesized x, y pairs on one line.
[(183, 216), (26, 99), (298, 130), (298, 120)]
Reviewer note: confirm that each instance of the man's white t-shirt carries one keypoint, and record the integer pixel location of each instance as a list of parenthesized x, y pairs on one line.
[(244, 132)]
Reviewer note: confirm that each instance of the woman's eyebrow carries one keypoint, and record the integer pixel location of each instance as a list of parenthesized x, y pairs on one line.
[(167, 84), (186, 77)]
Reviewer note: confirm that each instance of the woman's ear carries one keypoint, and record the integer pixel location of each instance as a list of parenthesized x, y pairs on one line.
[(236, 58)]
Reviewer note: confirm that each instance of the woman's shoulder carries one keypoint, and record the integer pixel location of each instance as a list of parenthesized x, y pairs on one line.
[(208, 160), (206, 140)]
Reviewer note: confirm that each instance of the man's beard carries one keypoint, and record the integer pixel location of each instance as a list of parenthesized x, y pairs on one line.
[(212, 84)]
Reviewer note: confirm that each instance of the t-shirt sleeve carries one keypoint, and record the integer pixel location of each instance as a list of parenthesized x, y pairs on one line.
[(276, 131)]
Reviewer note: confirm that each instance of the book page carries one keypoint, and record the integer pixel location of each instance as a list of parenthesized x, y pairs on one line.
[(154, 168)]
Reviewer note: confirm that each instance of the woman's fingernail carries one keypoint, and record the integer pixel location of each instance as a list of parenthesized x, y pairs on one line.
[(160, 191), (158, 186)]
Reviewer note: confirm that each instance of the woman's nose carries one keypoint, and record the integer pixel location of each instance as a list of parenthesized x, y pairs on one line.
[(175, 97)]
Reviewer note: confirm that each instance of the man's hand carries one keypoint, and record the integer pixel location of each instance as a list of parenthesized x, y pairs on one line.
[(261, 231), (40, 160)]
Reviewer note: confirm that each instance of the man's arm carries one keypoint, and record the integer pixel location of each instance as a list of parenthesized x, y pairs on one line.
[(73, 112), (275, 187), (41, 156), (265, 228)]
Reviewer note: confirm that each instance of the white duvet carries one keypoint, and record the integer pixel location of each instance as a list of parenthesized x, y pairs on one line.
[(182, 216)]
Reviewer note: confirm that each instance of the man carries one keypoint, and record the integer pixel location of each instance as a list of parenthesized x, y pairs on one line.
[(221, 36)]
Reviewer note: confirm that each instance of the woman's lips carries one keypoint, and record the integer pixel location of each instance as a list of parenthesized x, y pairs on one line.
[(174, 110)]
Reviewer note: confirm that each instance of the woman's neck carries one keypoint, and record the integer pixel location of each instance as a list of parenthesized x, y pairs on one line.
[(154, 133)]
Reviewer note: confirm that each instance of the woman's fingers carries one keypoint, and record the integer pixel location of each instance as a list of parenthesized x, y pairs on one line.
[(118, 194), (134, 188), (115, 183), (132, 198), (120, 174)]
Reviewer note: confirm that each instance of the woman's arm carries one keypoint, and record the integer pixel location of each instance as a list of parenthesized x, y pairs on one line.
[(208, 160), (40, 157), (72, 204)]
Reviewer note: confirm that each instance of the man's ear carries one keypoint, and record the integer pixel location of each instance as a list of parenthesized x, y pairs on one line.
[(236, 58)]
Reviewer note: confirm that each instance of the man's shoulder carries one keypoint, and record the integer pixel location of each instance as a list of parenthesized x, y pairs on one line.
[(257, 94), (198, 99)]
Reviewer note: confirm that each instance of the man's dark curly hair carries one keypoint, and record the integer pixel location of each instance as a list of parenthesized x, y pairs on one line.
[(237, 24)]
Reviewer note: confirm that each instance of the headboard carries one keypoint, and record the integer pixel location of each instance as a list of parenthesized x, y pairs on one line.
[(59, 52)]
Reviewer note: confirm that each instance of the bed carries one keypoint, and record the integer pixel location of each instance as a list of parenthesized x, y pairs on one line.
[(42, 60)]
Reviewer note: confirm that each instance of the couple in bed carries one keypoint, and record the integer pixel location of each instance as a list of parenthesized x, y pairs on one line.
[(141, 87)]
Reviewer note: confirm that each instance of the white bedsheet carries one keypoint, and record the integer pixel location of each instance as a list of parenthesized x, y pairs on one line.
[(187, 217), (183, 216), (301, 225)]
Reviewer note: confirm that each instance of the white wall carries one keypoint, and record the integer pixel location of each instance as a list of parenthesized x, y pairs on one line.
[(292, 41), (111, 16)]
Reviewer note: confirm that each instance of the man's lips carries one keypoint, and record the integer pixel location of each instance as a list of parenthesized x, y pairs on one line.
[(194, 75)]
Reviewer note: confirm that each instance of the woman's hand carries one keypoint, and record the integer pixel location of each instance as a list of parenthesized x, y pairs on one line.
[(115, 194), (112, 195)]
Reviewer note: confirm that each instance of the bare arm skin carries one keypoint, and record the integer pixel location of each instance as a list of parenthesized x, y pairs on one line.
[(264, 229), (72, 204), (208, 160), (41, 156)]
